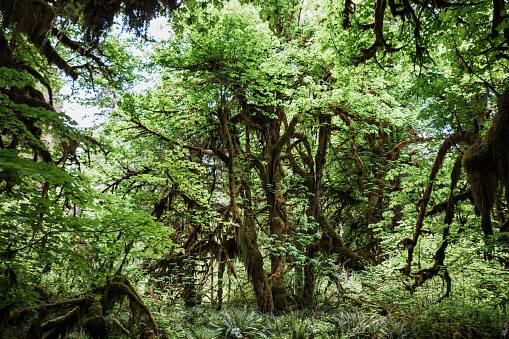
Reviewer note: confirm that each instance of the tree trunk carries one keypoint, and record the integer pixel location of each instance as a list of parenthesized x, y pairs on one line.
[(220, 274), (313, 211), (278, 219), (486, 163), (254, 263), (189, 292), (251, 255)]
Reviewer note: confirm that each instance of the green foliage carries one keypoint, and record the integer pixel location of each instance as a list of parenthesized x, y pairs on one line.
[(399, 328), (456, 317), (357, 324), (240, 324)]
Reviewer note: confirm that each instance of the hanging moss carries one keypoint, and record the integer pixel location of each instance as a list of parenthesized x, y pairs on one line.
[(480, 165), (499, 139), (486, 163), (32, 17), (99, 15)]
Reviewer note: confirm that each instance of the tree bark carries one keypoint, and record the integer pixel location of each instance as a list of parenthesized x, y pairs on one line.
[(220, 274), (189, 291)]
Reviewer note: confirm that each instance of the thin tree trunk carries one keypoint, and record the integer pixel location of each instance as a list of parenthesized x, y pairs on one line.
[(189, 292), (314, 206), (220, 275)]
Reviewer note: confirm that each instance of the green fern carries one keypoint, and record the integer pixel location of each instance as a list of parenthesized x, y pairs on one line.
[(357, 324), (246, 323)]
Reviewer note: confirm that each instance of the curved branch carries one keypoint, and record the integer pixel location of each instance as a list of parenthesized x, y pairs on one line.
[(438, 267), (457, 138), (396, 149), (442, 207), (379, 37)]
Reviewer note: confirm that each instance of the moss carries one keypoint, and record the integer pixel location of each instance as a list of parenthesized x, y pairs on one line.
[(97, 327), (254, 265), (147, 334), (59, 326), (33, 17), (122, 288), (279, 297), (480, 164)]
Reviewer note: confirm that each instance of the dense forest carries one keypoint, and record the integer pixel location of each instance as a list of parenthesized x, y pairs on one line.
[(278, 168)]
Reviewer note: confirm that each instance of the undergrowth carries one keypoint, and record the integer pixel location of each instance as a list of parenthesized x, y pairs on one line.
[(439, 321), (367, 309)]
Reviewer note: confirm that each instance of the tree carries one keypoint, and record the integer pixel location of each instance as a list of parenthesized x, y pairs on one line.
[(284, 139), (255, 110), (472, 37)]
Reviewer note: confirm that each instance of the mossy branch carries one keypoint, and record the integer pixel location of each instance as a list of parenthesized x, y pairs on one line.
[(457, 138)]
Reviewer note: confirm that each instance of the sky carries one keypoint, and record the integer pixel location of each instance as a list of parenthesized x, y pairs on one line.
[(90, 116)]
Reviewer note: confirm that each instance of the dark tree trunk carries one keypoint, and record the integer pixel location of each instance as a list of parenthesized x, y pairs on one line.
[(189, 292), (251, 255), (254, 263), (313, 211), (278, 220), (220, 274)]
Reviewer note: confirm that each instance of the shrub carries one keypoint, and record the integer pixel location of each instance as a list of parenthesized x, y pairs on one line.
[(399, 329)]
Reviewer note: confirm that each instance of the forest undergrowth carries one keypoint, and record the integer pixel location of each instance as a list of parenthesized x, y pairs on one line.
[(372, 304)]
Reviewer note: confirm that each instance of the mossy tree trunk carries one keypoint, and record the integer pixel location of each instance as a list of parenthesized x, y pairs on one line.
[(312, 173), (271, 175), (254, 262), (251, 255), (313, 211), (220, 274), (486, 163), (278, 219), (189, 292), (271, 118)]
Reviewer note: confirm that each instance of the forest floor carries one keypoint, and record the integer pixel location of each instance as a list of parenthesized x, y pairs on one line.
[(447, 320)]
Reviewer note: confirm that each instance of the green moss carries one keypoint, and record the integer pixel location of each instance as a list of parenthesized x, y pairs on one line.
[(279, 296), (97, 327)]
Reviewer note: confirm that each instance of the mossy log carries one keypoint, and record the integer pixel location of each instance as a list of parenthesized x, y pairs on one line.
[(71, 313), (58, 327)]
